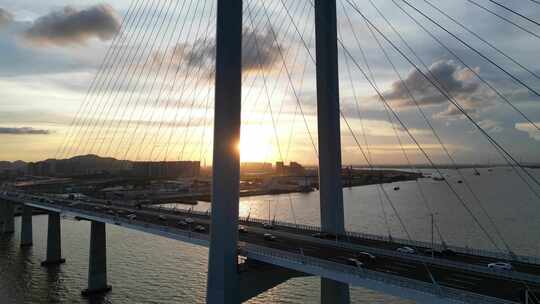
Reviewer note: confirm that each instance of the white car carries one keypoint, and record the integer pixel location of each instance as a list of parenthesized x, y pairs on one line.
[(500, 266), (242, 229), (132, 216), (406, 249)]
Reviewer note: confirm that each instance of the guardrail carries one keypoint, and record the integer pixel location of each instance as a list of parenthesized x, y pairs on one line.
[(380, 251), (251, 250), (373, 237)]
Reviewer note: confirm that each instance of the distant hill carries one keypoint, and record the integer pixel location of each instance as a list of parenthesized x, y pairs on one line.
[(16, 165), (78, 165)]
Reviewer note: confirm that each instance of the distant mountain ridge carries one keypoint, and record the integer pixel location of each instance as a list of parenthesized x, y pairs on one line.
[(16, 165), (82, 164)]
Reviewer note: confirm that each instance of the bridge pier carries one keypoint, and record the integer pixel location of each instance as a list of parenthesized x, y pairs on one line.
[(26, 226), (328, 120), (7, 218), (54, 241), (97, 267)]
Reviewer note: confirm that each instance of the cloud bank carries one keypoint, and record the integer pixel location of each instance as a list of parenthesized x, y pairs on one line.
[(24, 131), (74, 27), (5, 17), (259, 51), (458, 81), (529, 129)]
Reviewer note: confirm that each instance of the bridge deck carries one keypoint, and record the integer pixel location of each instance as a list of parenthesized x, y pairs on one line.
[(470, 274)]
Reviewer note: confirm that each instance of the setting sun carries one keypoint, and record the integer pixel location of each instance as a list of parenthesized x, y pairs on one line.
[(256, 144)]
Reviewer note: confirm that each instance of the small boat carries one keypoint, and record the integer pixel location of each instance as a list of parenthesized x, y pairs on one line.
[(438, 178), (396, 188), (460, 182)]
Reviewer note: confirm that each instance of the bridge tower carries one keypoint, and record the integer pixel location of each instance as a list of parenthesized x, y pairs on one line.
[(328, 122), (223, 283)]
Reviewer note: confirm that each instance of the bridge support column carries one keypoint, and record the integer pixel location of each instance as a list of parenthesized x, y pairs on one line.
[(97, 267), (328, 119), (222, 287), (54, 241), (26, 226), (7, 217)]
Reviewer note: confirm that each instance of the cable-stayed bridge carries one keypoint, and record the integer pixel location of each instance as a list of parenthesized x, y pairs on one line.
[(159, 78)]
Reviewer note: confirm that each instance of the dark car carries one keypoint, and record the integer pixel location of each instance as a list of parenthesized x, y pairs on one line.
[(200, 228), (269, 237), (354, 262), (366, 257), (449, 252)]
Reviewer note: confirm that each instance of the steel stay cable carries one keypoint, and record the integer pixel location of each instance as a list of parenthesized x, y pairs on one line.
[(517, 80), (105, 60), (92, 122), (440, 86), (503, 18), (383, 99), (383, 190), (132, 138), (449, 97), (244, 77), (143, 69), (85, 137), (159, 95), (176, 114), (514, 12), (381, 202), (269, 96), (178, 39), (412, 98), (113, 69), (482, 39), (386, 110)]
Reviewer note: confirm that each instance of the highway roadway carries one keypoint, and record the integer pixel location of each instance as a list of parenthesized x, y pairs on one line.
[(302, 241)]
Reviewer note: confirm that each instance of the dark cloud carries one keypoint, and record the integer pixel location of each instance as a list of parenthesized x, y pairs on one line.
[(258, 51), (5, 17), (24, 131), (74, 27), (458, 81)]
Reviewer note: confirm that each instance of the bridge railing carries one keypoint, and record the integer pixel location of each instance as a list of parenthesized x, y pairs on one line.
[(253, 251), (386, 239)]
